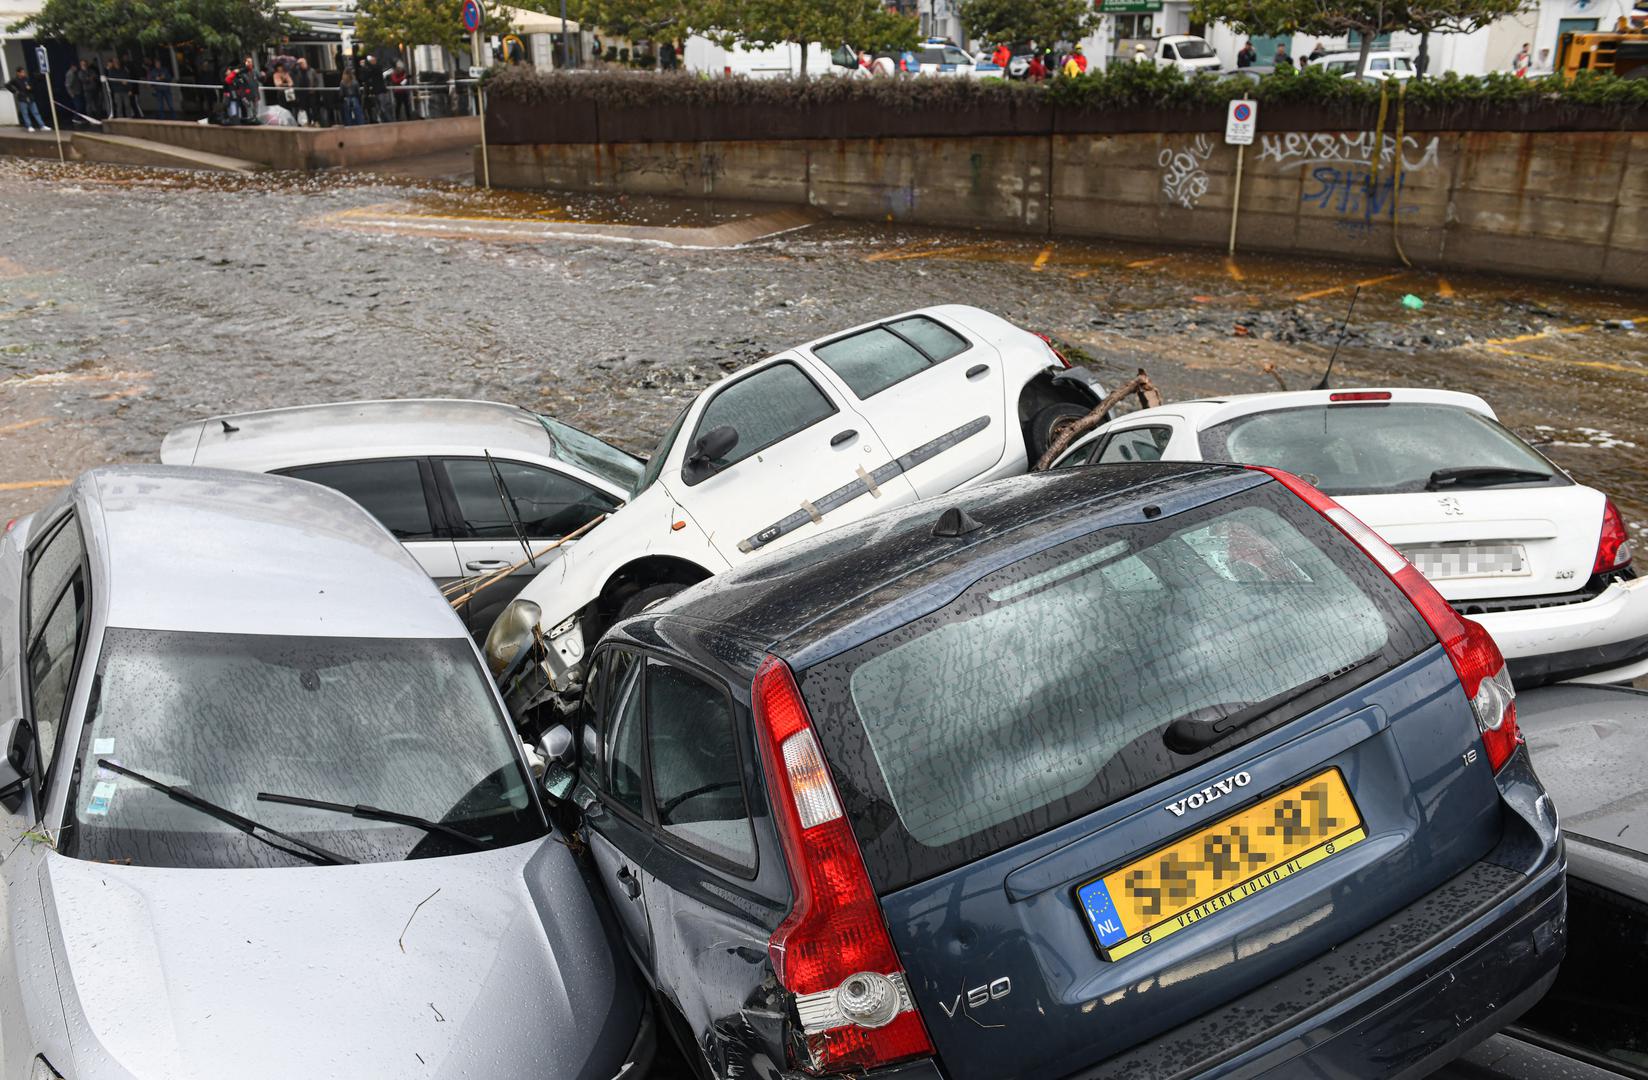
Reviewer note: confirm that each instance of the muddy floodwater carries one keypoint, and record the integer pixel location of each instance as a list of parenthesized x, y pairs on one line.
[(133, 300)]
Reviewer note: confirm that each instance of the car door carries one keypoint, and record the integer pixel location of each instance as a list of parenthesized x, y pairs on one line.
[(934, 396), (1144, 443), (804, 459), (610, 792), (548, 504), (400, 493)]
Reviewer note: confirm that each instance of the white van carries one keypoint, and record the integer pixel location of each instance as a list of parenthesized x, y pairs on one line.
[(1186, 52), (1382, 64)]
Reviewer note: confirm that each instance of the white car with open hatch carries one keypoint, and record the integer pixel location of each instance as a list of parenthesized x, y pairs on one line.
[(1507, 536)]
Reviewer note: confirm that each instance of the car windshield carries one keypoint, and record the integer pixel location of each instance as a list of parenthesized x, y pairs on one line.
[(1045, 690), (1401, 63), (655, 464), (594, 456), (1375, 449), (1195, 50), (405, 725)]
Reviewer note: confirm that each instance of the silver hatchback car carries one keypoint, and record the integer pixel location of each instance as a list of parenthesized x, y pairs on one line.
[(263, 814)]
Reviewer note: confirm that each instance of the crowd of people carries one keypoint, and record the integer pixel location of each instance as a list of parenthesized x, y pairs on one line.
[(283, 90)]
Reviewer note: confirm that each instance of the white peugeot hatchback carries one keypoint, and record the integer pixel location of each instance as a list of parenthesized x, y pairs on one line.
[(878, 416), (1505, 535)]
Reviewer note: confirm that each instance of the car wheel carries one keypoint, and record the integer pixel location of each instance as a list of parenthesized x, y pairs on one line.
[(644, 598), (1046, 425)]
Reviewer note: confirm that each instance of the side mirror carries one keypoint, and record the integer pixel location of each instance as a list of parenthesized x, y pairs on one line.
[(560, 777), (18, 765), (714, 443), (511, 636)]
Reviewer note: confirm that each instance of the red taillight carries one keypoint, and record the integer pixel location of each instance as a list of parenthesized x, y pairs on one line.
[(1054, 349), (832, 950), (10, 523), (1475, 656), (1614, 545), (1361, 395)]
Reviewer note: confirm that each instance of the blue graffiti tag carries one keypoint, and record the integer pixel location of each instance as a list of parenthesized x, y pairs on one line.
[(1352, 193)]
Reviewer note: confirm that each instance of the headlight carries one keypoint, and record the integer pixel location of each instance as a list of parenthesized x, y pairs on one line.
[(43, 1071)]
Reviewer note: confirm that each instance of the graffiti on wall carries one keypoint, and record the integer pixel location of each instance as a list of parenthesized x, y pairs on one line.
[(1184, 181), (1352, 176), (1301, 149)]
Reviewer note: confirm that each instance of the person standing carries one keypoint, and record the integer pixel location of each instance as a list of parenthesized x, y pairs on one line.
[(1036, 70), (1077, 61), (1141, 55), (1318, 52), (115, 76), (1524, 60), (162, 91), (666, 56), (1281, 59), (74, 85), (286, 93), (22, 92), (349, 98), (371, 81), (1248, 56), (304, 80), (133, 88), (1002, 56), (398, 81)]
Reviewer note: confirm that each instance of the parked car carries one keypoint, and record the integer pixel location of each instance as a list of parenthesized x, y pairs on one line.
[(903, 408), (1590, 742), (1187, 52), (1506, 535), (421, 468), (1253, 72), (1019, 66), (942, 58), (1382, 64), (1175, 769), (218, 688)]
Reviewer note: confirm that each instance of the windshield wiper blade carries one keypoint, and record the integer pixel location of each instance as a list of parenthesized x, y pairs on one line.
[(1193, 732), (374, 813), (1481, 476), (254, 829)]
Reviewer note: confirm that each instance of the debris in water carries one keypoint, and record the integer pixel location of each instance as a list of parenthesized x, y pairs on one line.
[(1412, 302)]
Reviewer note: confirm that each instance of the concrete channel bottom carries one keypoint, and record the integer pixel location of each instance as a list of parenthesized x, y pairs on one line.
[(396, 218)]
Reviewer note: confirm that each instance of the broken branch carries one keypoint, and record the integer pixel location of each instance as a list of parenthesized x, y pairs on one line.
[(1140, 384)]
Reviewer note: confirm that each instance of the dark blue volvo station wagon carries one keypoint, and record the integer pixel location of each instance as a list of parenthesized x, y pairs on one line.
[(1124, 771)]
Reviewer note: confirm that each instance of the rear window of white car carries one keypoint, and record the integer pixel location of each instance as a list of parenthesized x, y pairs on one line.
[(1385, 448), (1043, 692)]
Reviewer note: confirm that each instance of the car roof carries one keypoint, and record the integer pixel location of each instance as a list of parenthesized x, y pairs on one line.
[(347, 430), (213, 550), (810, 600), (1205, 412)]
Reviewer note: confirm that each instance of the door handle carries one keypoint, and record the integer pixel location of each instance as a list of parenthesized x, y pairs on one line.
[(632, 887), (484, 564), (842, 438), (977, 370)]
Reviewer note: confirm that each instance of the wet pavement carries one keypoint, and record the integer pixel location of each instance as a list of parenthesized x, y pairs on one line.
[(132, 300)]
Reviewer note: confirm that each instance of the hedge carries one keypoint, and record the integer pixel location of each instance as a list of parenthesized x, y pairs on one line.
[(1123, 86)]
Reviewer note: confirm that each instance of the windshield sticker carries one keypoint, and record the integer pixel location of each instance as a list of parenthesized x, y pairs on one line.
[(102, 796), (101, 747)]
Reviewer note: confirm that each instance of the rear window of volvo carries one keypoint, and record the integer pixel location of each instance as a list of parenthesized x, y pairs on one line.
[(1044, 691), (1378, 449)]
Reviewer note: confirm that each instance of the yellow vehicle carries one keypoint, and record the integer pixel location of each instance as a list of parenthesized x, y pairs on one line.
[(1624, 51)]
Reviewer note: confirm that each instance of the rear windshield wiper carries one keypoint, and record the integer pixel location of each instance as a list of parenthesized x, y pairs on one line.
[(254, 829), (1196, 731), (1481, 476), (373, 813)]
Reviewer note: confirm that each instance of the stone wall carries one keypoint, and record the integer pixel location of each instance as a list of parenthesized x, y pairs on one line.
[(305, 149), (1566, 204)]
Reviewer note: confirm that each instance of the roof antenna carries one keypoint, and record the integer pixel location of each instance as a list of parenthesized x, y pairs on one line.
[(1323, 385), (228, 428)]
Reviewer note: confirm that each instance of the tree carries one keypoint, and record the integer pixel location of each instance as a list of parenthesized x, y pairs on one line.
[(643, 20), (218, 26), (1457, 17), (862, 24), (1019, 21), (419, 22)]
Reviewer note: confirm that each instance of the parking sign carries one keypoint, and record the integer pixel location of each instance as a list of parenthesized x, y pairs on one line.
[(1240, 121), (40, 59)]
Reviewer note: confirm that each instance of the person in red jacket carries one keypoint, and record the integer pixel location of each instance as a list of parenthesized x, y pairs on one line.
[(1002, 55)]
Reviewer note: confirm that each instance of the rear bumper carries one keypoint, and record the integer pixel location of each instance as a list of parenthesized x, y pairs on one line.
[(1408, 994), (1602, 639)]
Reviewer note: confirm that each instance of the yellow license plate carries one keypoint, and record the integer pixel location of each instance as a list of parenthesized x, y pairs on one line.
[(1223, 864)]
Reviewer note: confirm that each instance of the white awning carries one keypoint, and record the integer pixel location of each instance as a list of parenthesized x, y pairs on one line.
[(533, 22)]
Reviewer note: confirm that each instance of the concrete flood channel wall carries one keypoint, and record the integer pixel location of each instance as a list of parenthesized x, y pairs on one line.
[(1547, 200), (306, 149)]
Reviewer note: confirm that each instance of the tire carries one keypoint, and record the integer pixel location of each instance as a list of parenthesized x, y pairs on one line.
[(644, 598), (1046, 425)]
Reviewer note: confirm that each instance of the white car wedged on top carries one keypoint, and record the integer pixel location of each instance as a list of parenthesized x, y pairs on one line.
[(878, 416), (1506, 536)]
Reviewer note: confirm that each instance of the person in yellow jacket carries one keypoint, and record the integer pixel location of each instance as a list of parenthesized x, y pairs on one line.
[(1075, 64)]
